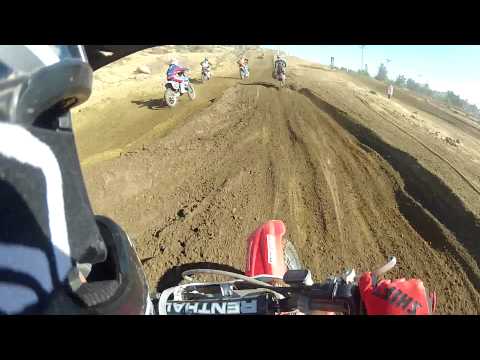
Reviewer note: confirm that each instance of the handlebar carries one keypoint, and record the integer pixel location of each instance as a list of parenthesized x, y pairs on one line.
[(337, 295), (331, 296), (325, 297)]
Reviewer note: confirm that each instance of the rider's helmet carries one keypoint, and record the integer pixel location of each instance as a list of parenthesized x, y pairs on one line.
[(206, 59), (47, 226)]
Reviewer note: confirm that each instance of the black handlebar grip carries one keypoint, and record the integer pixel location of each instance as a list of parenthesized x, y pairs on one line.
[(335, 296)]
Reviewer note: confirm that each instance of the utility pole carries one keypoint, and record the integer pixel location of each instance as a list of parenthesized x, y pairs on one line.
[(362, 47)]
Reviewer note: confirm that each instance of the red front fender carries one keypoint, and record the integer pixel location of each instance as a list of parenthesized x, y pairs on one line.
[(265, 250)]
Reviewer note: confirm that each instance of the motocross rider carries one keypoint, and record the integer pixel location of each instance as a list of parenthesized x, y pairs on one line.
[(243, 62), (390, 91), (56, 256), (205, 64), (175, 73), (280, 65)]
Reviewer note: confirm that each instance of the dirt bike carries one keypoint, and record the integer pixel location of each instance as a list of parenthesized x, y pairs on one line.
[(244, 72), (274, 283), (278, 73), (205, 74), (282, 78), (172, 90)]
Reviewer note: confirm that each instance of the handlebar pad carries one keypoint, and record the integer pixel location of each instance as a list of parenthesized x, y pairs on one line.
[(257, 304)]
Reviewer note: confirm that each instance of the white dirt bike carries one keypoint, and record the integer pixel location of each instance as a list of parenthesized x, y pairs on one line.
[(244, 72), (172, 90), (206, 74)]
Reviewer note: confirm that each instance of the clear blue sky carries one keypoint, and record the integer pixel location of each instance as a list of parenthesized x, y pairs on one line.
[(443, 67)]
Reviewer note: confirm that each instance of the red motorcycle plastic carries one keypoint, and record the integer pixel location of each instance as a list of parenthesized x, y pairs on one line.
[(274, 283)]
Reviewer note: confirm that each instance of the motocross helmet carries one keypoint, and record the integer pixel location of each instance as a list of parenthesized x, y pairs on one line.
[(47, 227)]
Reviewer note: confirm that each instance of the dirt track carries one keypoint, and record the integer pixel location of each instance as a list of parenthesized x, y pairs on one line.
[(246, 152)]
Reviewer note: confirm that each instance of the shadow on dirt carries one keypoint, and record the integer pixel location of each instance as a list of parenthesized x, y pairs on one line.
[(431, 207), (152, 104), (196, 81), (228, 77), (261, 83), (314, 67), (174, 275)]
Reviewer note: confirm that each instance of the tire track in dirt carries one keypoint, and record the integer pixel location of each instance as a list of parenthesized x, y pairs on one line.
[(429, 149), (418, 206), (259, 153)]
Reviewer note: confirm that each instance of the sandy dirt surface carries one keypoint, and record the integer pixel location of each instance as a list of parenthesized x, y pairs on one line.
[(354, 176)]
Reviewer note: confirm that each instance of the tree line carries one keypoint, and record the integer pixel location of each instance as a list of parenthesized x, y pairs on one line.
[(448, 97)]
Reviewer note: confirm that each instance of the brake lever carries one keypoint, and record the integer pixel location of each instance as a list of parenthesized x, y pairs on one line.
[(351, 276), (392, 261)]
